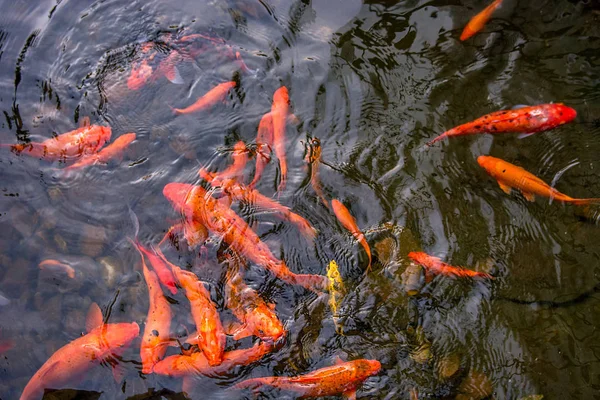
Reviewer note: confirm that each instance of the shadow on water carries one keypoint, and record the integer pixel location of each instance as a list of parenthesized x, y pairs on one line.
[(374, 81)]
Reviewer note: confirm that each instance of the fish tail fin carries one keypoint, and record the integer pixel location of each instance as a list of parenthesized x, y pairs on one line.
[(135, 221), (585, 202), (437, 139), (175, 111), (254, 383)]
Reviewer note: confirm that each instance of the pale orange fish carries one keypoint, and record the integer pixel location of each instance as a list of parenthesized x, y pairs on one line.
[(159, 264), (211, 98), (478, 22), (236, 169), (264, 145), (211, 335), (510, 177), (112, 151), (348, 222), (57, 265), (71, 361), (435, 266), (279, 112)]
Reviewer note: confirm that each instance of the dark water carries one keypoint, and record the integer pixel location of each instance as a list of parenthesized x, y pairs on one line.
[(374, 82)]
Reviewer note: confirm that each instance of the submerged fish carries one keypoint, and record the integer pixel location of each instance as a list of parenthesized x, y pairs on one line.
[(435, 266), (112, 151), (342, 378), (526, 120), (73, 360), (510, 177), (336, 291), (348, 222), (313, 159), (212, 97), (264, 146), (279, 112), (51, 264), (478, 22)]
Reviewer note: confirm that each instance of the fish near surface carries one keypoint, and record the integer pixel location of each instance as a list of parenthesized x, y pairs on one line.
[(76, 143), (212, 97), (347, 220), (160, 266), (280, 111), (155, 339), (197, 205), (510, 176), (112, 151), (211, 335), (478, 22), (75, 358), (264, 144), (528, 120), (435, 266), (340, 379)]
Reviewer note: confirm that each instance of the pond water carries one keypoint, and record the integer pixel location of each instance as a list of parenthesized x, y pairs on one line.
[(374, 81)]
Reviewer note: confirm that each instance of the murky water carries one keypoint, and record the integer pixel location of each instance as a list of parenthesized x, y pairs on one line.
[(374, 82)]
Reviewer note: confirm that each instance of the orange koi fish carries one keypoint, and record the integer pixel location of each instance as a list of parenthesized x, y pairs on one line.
[(530, 120), (235, 170), (160, 266), (433, 265), (155, 339), (6, 344), (348, 222), (313, 160), (197, 363), (211, 98), (112, 151), (85, 140), (73, 360), (211, 335), (258, 318), (510, 176), (264, 144), (279, 113), (194, 203), (340, 379), (478, 22), (57, 265)]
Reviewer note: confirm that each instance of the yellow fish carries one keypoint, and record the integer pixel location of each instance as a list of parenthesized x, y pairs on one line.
[(336, 291)]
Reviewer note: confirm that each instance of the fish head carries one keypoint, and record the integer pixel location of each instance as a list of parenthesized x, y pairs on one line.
[(281, 96), (488, 163), (564, 113), (366, 368), (267, 325), (417, 256), (119, 335), (124, 140), (140, 75)]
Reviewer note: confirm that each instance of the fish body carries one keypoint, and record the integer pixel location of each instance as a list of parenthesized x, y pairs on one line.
[(336, 291), (347, 220), (112, 151), (264, 145), (211, 335), (279, 113), (159, 265), (66, 146), (212, 97), (235, 170), (510, 177), (478, 22), (51, 264), (526, 119), (258, 318), (195, 204), (313, 159), (196, 363), (342, 378), (155, 339), (433, 265), (75, 358)]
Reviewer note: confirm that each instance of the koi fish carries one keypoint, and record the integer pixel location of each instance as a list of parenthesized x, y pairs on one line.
[(162, 268), (531, 119), (235, 170), (197, 363), (264, 144), (313, 160), (510, 176), (336, 292), (75, 358), (279, 113), (258, 318), (194, 203), (342, 378), (57, 265), (147, 69), (211, 98), (477, 22), (211, 335), (348, 222), (87, 139), (433, 265), (112, 151), (155, 339)]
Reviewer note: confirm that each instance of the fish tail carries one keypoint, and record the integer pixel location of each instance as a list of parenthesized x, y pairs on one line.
[(584, 202), (254, 383), (437, 139)]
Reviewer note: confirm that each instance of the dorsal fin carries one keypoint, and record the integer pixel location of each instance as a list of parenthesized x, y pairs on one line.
[(94, 318), (85, 122)]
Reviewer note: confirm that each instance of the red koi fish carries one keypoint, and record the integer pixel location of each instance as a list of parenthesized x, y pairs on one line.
[(348, 222), (340, 379), (152, 64), (527, 119), (197, 363), (160, 266), (264, 144), (194, 203), (72, 361), (279, 113), (156, 336), (112, 151), (85, 140), (211, 335), (435, 266), (258, 318), (510, 177), (478, 22), (211, 98)]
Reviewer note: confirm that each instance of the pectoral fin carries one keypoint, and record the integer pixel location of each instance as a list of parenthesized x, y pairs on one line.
[(529, 196), (173, 75), (350, 394), (524, 135), (94, 318), (118, 372), (505, 188)]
